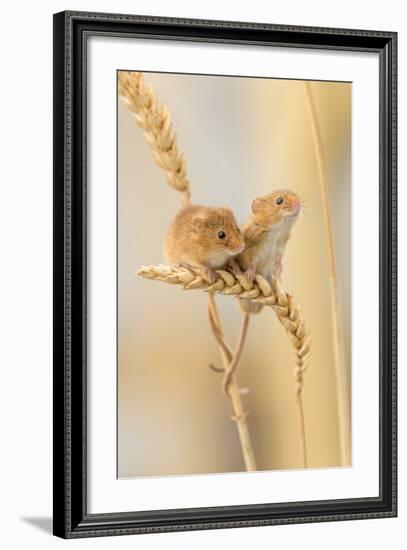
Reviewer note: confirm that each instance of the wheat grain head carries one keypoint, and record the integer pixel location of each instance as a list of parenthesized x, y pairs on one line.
[(154, 118)]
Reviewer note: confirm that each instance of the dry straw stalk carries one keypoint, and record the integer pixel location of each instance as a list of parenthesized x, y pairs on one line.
[(343, 401), (239, 415)]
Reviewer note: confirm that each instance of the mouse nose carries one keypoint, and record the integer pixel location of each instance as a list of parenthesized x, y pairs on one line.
[(236, 247), (296, 207)]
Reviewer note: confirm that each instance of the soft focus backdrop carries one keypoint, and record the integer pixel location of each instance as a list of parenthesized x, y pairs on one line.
[(241, 137)]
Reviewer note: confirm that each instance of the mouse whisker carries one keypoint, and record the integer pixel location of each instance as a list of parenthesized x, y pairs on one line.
[(303, 196), (304, 202)]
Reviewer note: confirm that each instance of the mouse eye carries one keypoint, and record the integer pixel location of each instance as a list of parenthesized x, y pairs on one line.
[(221, 234), (279, 200)]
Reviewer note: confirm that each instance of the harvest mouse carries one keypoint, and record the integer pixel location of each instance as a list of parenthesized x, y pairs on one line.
[(266, 233), (205, 237)]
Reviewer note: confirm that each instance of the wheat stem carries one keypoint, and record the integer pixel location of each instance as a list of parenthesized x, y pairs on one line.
[(301, 431), (226, 350), (337, 337), (238, 352), (239, 415), (230, 361)]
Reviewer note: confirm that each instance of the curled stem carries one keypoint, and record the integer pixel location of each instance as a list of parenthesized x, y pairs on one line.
[(217, 332), (238, 352), (239, 415)]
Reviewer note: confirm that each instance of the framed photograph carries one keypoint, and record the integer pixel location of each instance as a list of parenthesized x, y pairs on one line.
[(224, 274)]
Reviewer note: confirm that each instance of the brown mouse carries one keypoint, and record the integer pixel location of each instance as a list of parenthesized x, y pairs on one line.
[(266, 233), (205, 237)]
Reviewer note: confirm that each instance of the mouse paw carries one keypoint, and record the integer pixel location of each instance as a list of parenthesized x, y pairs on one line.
[(209, 275), (278, 268), (250, 274), (234, 267)]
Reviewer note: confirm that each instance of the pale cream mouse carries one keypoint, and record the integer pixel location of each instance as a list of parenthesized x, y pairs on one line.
[(266, 233), (203, 237)]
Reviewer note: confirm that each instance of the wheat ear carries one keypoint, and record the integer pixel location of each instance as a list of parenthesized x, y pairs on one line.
[(155, 120), (260, 291), (337, 336)]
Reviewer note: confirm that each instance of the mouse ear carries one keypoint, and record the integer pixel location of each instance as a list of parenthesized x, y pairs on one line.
[(198, 221), (257, 204), (227, 213)]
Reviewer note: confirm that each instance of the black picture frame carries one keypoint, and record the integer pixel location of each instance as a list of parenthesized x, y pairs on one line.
[(71, 518)]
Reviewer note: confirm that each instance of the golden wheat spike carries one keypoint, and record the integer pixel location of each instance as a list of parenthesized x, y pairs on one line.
[(155, 120), (260, 291)]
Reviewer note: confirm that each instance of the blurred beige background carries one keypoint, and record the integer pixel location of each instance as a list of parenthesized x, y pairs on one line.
[(241, 137)]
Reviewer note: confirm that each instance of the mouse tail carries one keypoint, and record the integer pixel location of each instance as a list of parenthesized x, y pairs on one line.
[(154, 118)]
